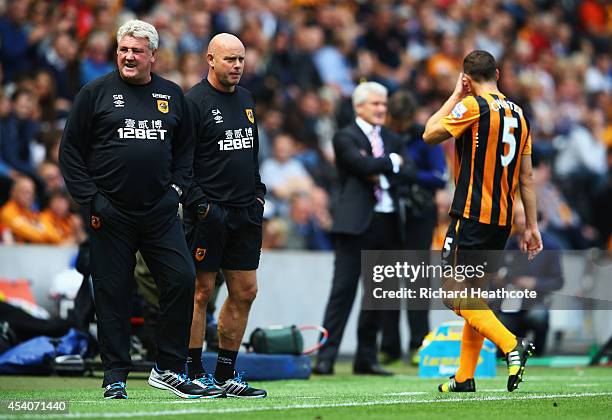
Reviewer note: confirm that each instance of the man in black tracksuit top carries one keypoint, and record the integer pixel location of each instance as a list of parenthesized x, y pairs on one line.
[(224, 210), (126, 154)]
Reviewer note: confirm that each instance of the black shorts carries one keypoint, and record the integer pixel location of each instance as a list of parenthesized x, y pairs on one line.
[(225, 237), (472, 243)]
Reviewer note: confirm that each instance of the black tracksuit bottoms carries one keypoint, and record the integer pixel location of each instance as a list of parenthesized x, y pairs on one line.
[(158, 234)]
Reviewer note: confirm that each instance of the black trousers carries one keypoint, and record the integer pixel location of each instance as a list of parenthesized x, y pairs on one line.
[(159, 236), (419, 232), (383, 233)]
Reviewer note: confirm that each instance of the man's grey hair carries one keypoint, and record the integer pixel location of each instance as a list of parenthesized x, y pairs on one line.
[(139, 29), (365, 89)]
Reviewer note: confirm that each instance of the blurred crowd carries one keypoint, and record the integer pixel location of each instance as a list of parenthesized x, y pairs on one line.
[(304, 58)]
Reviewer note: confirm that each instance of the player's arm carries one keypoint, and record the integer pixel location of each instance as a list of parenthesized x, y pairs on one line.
[(260, 187), (531, 242), (74, 146), (194, 193), (182, 150), (435, 131)]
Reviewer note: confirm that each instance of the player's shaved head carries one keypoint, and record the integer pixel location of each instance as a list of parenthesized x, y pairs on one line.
[(222, 42), (225, 58)]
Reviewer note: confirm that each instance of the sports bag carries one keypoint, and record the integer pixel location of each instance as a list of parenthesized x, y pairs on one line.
[(279, 339)]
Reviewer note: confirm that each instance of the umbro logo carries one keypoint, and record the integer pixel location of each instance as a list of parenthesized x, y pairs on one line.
[(118, 101), (217, 116)]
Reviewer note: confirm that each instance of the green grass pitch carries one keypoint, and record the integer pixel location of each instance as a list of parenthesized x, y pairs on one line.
[(557, 393)]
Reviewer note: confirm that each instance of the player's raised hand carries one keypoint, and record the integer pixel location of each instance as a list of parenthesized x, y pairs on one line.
[(531, 242), (462, 87)]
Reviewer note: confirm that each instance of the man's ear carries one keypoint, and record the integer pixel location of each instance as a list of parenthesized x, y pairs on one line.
[(469, 82), (153, 55), (210, 59), (496, 74)]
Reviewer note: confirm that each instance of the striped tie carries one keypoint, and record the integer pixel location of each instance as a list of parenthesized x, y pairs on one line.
[(378, 150)]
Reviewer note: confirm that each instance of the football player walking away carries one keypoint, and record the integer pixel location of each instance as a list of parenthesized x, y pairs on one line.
[(493, 157)]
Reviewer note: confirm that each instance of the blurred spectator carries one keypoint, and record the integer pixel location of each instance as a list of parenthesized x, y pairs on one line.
[(268, 127), (292, 60), (165, 66), (96, 61), (581, 161), (283, 175), (333, 64), (544, 275), (598, 77), (7, 176), (582, 154), (49, 173), (52, 139), (301, 119), (558, 217), (602, 207), (305, 123), (62, 226), (254, 78), (304, 230), (18, 216), (446, 61), (320, 208), (192, 69), (61, 60), (50, 106), (16, 49), (7, 173), (195, 38), (18, 132), (327, 125), (387, 43), (274, 233), (594, 17)]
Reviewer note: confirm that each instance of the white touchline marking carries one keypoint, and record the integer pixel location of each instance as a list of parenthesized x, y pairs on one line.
[(576, 377), (580, 385), (564, 378), (304, 406), (401, 394)]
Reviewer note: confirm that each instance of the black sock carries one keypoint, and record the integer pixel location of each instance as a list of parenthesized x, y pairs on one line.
[(194, 363), (226, 362)]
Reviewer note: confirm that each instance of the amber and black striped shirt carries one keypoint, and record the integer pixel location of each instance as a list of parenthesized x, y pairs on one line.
[(491, 134)]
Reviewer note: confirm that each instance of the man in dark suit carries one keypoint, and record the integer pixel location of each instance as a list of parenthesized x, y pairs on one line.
[(370, 164)]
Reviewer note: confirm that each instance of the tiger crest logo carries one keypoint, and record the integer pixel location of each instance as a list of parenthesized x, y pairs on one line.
[(200, 253), (95, 222), (250, 115), (162, 106)]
